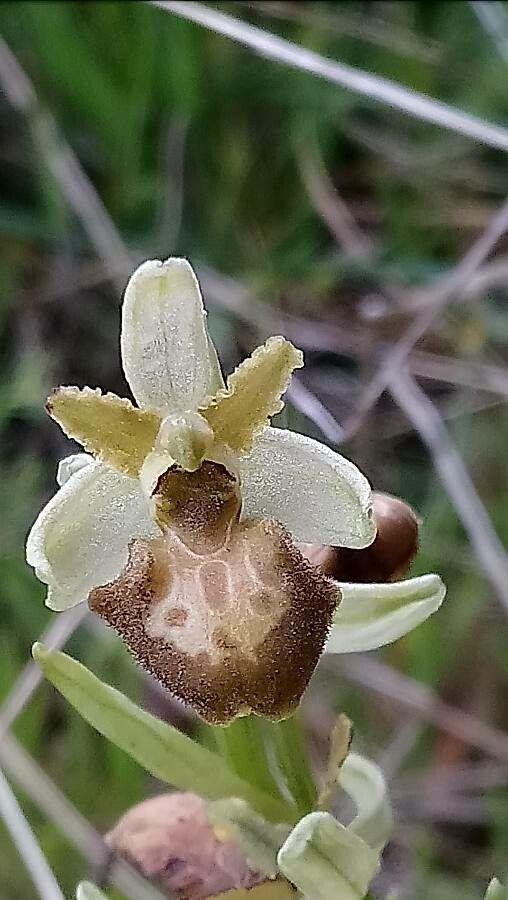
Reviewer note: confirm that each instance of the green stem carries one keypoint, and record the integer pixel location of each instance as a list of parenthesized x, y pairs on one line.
[(291, 754), (242, 744)]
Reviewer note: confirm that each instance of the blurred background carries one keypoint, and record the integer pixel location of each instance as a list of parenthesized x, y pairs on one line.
[(376, 242)]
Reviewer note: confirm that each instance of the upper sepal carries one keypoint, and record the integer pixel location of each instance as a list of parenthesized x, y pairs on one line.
[(167, 355), (363, 780)]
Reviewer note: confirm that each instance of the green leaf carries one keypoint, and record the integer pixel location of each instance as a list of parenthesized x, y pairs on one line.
[(325, 860), (372, 615), (163, 750), (88, 891), (496, 891), (365, 784)]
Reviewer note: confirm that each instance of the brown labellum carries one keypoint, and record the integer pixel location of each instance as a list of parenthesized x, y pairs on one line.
[(388, 557), (228, 615)]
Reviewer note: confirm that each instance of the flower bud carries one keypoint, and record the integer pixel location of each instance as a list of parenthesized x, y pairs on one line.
[(386, 559), (171, 837)]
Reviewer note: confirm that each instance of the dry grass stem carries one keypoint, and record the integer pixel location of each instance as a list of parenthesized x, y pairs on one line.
[(65, 167), (42, 791), (374, 87), (23, 837), (449, 288), (55, 636), (422, 702), (456, 481)]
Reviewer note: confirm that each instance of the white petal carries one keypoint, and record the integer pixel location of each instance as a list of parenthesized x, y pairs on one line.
[(166, 351), (365, 784), (70, 465), (372, 615), (327, 861), (320, 496), (80, 538)]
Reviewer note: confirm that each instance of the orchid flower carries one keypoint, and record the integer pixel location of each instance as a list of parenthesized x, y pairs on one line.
[(178, 524)]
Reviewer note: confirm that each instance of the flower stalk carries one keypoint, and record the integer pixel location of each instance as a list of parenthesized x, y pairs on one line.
[(243, 746), (293, 761)]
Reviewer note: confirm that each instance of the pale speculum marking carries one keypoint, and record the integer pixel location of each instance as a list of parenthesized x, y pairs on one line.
[(219, 602)]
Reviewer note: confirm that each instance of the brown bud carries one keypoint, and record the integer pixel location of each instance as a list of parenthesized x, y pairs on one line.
[(388, 557), (321, 556), (171, 837)]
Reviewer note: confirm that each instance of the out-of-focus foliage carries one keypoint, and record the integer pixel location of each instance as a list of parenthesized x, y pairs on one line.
[(197, 148)]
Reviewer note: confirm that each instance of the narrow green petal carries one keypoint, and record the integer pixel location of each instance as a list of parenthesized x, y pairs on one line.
[(327, 861), (88, 891), (107, 426), (365, 784), (372, 615), (163, 750), (253, 394)]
